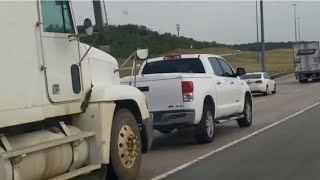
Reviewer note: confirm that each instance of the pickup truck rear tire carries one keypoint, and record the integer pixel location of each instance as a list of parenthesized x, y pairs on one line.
[(267, 91), (205, 130), (275, 89), (125, 147), (246, 121)]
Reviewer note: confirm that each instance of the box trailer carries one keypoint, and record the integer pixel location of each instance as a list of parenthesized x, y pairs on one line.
[(306, 61)]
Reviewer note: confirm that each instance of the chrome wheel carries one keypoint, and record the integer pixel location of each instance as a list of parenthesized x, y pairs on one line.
[(209, 124), (128, 145), (205, 130)]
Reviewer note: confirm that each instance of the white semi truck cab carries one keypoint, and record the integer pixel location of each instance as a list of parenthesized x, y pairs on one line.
[(63, 112)]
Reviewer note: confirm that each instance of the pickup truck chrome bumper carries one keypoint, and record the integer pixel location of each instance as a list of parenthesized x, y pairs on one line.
[(162, 118)]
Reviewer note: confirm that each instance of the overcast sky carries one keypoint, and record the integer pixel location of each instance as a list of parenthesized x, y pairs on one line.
[(222, 21)]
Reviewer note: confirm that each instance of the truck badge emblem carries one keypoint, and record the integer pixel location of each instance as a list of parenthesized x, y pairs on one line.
[(56, 89)]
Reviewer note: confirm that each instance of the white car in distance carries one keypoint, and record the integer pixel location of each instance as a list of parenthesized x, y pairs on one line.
[(260, 82)]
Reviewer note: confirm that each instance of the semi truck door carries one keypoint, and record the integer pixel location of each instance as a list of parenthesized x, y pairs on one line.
[(60, 52)]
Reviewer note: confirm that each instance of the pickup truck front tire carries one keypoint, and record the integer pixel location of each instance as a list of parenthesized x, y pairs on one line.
[(246, 121), (205, 130)]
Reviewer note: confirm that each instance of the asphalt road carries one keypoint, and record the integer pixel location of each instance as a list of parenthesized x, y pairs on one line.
[(176, 149), (289, 151)]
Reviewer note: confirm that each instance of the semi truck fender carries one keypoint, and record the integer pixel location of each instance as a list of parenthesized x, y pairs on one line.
[(116, 93), (123, 96)]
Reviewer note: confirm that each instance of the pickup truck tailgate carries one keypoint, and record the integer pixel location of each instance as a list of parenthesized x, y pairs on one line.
[(163, 93)]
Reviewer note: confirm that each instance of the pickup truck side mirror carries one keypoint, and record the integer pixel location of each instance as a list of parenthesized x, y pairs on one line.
[(241, 72)]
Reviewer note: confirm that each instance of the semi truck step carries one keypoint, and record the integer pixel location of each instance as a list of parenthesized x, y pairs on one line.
[(77, 172), (45, 145)]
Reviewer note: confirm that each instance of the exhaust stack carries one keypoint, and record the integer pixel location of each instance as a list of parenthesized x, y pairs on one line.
[(100, 14)]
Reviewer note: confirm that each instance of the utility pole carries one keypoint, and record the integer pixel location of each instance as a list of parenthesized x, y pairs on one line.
[(178, 29), (257, 25), (263, 58), (295, 21), (299, 29)]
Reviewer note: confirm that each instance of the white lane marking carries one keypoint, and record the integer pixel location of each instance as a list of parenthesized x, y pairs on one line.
[(230, 144), (261, 100)]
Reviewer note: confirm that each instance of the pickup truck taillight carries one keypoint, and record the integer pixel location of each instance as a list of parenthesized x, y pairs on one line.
[(187, 91)]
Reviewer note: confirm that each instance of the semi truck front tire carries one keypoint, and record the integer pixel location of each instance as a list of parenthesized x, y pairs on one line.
[(125, 147)]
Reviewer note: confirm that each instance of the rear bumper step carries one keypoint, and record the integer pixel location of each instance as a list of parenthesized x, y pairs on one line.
[(220, 121), (163, 118)]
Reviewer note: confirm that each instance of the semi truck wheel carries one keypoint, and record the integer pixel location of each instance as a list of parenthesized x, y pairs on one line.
[(246, 121), (125, 147), (205, 130)]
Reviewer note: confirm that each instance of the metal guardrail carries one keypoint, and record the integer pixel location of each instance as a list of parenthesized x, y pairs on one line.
[(277, 75)]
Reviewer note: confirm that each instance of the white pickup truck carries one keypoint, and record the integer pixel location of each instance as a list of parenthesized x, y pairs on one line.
[(193, 90)]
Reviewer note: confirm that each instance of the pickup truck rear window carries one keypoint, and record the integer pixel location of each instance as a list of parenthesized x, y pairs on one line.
[(187, 65), (251, 76)]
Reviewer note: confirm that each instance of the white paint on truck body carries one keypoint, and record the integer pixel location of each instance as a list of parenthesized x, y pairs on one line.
[(46, 74), (20, 77), (171, 99), (34, 60)]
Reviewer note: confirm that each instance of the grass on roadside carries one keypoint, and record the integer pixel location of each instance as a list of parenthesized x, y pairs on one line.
[(213, 50), (279, 60)]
